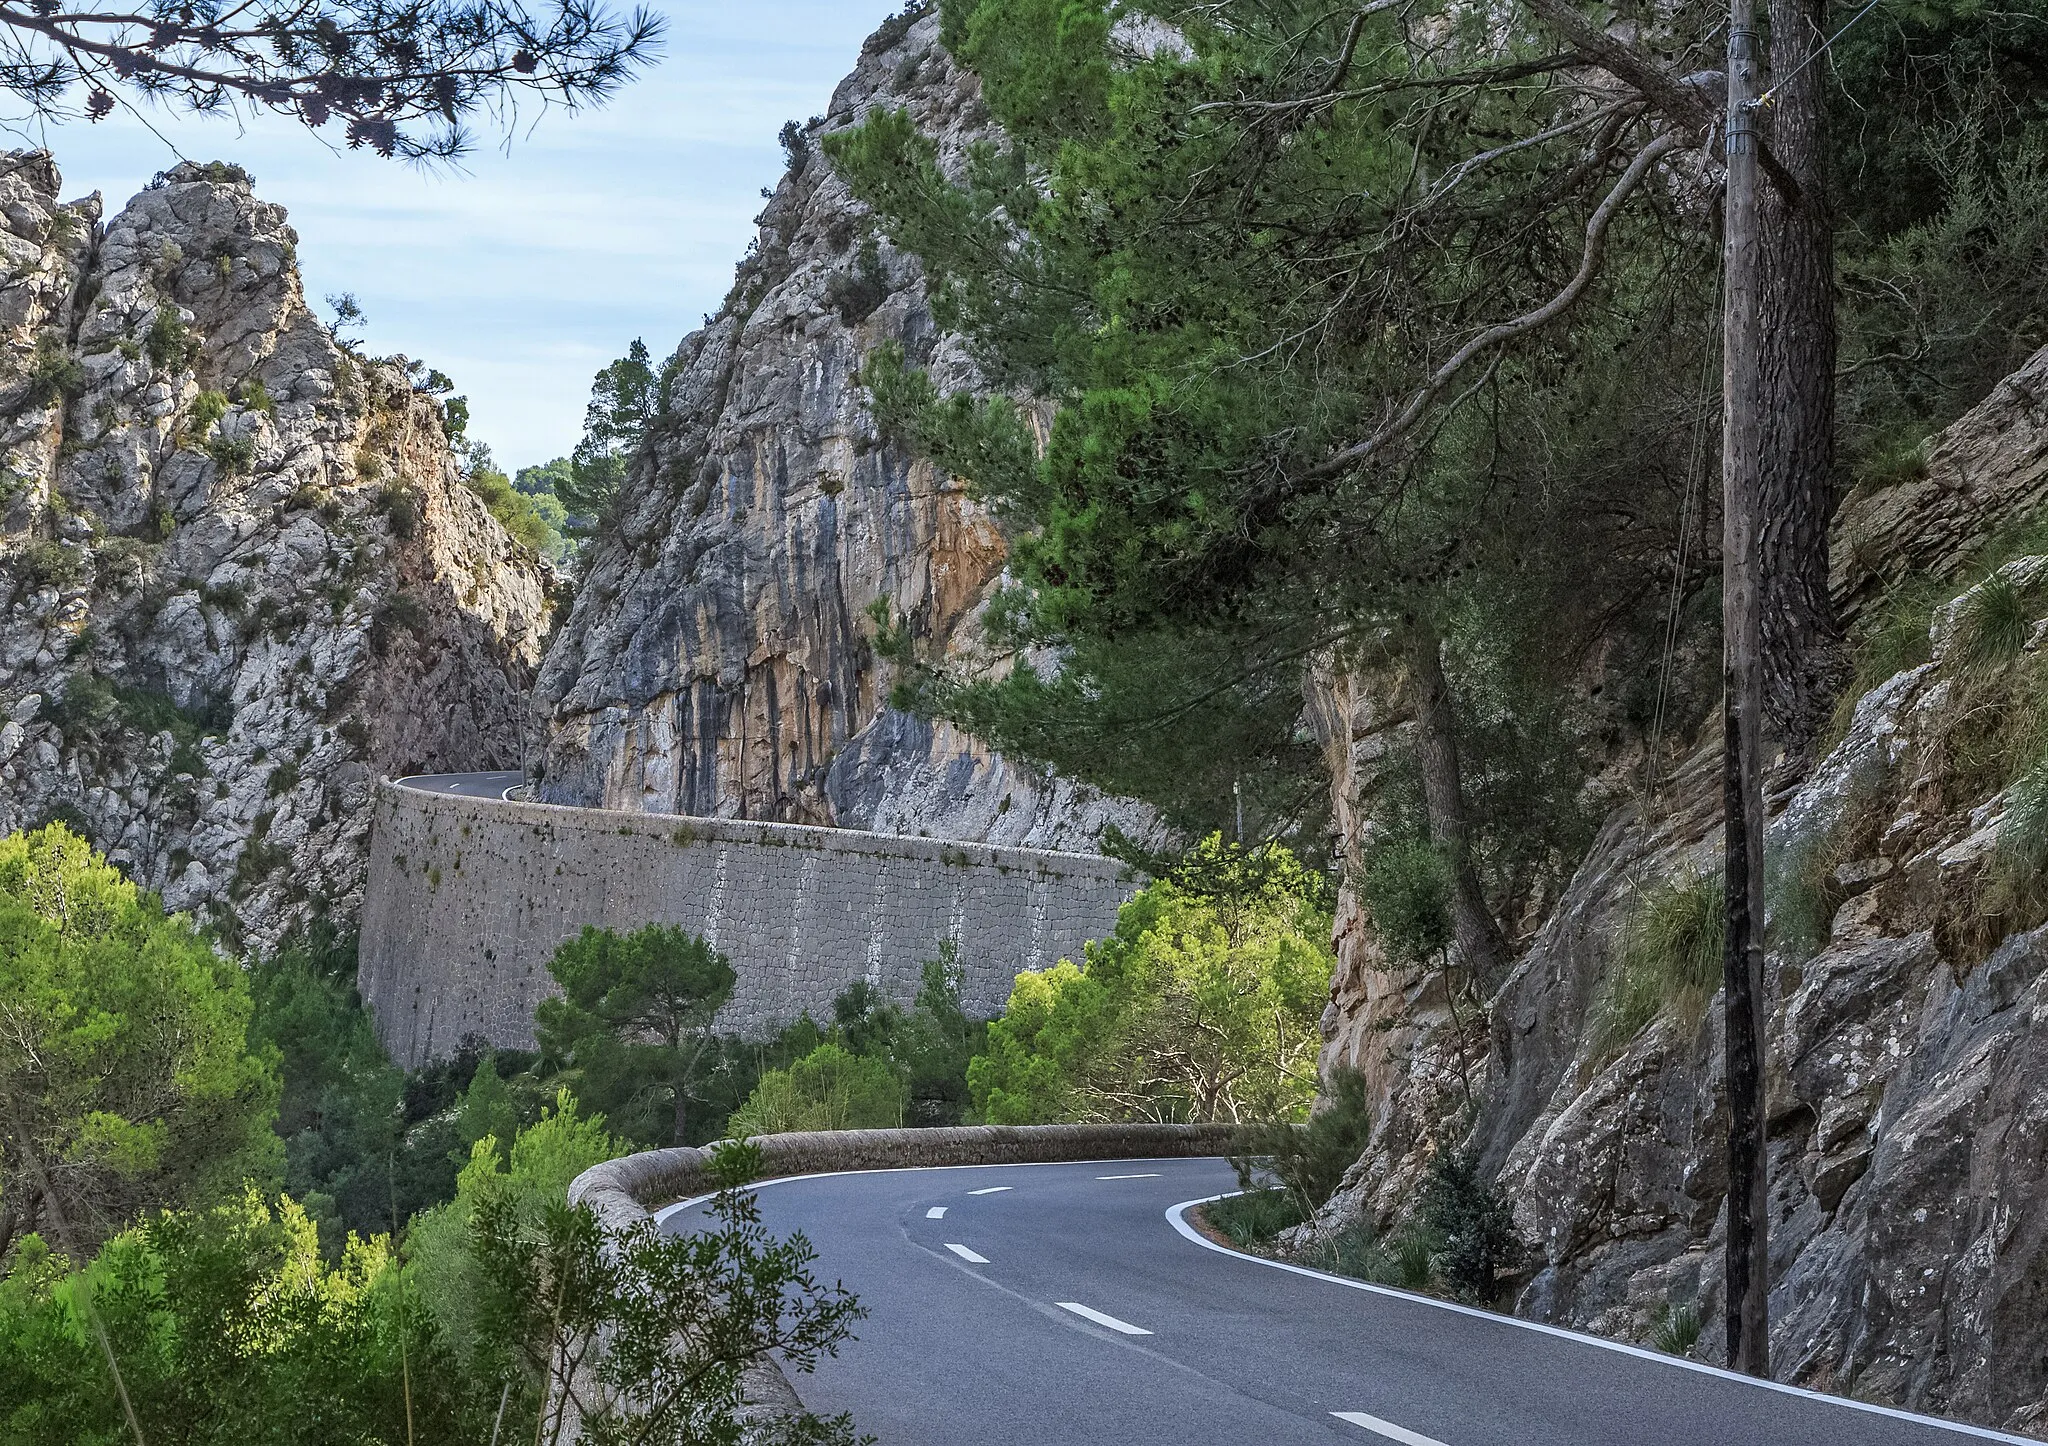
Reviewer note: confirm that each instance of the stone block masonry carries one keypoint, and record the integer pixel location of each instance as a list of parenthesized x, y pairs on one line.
[(469, 897)]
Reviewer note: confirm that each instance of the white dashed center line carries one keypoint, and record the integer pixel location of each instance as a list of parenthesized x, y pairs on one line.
[(937, 1212), (967, 1255), (1387, 1429), (1152, 1176), (1105, 1320), (992, 1190)]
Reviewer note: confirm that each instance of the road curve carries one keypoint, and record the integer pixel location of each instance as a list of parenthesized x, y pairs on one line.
[(464, 785), (1052, 1304)]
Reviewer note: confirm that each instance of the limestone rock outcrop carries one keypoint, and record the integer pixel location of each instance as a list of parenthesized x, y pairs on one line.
[(1908, 1010), (239, 571), (718, 658)]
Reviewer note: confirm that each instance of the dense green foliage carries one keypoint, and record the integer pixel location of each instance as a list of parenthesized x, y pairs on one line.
[(877, 1065), (368, 1145), (1219, 303), (127, 1080), (633, 1024), (1203, 1004), (532, 519), (1669, 957)]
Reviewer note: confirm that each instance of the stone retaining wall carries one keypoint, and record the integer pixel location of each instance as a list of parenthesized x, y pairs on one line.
[(469, 897)]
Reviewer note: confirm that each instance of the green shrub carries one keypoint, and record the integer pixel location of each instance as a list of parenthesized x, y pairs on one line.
[(830, 1088), (2012, 894), (1670, 957), (54, 375), (516, 512), (400, 505), (232, 456), (169, 341), (1890, 638), (253, 395), (88, 709), (283, 778), (46, 562), (1992, 624), (1479, 1245), (207, 408), (400, 613), (1407, 890), (857, 294)]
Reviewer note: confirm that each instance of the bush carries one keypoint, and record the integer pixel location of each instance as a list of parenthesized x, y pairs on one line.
[(207, 408), (401, 613), (169, 342), (1992, 624), (232, 456), (830, 1088), (1475, 1228), (1407, 890), (857, 294), (1670, 957), (516, 512), (2013, 891), (127, 1054), (1203, 1005), (46, 562), (1676, 1329), (54, 375), (400, 505)]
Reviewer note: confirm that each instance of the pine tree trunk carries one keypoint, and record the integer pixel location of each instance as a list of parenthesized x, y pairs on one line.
[(1802, 655), (1481, 945)]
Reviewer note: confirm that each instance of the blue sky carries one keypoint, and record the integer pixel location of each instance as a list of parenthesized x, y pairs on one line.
[(526, 272)]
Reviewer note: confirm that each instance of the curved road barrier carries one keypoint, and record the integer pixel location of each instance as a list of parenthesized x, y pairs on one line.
[(625, 1191)]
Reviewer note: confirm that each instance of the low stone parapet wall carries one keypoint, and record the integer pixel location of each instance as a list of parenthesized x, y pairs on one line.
[(624, 1190)]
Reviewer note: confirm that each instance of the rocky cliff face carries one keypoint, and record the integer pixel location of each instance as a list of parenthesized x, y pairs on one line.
[(1908, 993), (718, 658), (240, 574)]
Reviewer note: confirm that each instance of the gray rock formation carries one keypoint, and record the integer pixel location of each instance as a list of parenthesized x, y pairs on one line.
[(240, 574), (718, 658), (1908, 1091)]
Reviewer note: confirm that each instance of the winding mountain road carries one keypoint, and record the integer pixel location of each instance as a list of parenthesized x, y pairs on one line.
[(1056, 1304), (465, 785)]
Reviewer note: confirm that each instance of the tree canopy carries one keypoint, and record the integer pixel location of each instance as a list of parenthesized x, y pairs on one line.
[(1203, 1005), (635, 1017), (402, 77), (126, 1076)]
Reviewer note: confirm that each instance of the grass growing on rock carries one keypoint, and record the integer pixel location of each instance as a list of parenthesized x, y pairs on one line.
[(1670, 958)]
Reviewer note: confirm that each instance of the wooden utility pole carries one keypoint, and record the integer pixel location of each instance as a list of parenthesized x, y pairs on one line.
[(1748, 1253)]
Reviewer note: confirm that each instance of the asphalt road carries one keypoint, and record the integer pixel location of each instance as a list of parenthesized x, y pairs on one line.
[(1054, 1304), (465, 785)]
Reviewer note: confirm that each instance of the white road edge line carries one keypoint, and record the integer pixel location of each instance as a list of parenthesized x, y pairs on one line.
[(1153, 1176), (937, 1212), (1099, 1318), (1176, 1217), (1387, 1429), (992, 1190), (967, 1255)]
